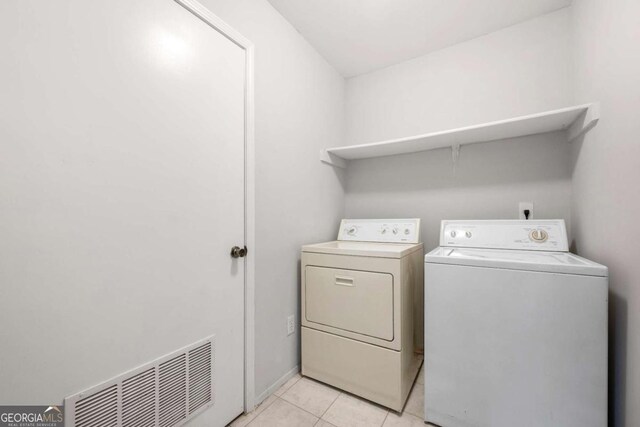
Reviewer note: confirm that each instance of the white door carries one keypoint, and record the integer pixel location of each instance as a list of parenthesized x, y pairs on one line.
[(121, 195)]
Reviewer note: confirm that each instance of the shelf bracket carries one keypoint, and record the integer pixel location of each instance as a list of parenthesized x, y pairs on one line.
[(332, 159), (455, 153), (585, 122)]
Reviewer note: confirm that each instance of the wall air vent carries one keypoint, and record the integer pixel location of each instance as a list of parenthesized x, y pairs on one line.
[(166, 392)]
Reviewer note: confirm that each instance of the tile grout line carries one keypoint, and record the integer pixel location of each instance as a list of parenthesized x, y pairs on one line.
[(325, 411), (265, 408), (289, 388), (372, 403), (356, 397), (302, 409), (328, 407), (385, 419)]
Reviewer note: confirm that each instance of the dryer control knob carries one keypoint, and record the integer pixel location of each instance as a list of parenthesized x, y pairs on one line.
[(468, 234), (395, 230), (453, 233)]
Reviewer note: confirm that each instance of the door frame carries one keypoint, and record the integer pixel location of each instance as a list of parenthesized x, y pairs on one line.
[(204, 14)]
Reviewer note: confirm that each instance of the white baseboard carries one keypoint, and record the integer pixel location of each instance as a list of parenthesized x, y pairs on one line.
[(276, 385)]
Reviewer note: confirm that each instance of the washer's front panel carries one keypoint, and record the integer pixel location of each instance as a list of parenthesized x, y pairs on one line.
[(514, 348), (351, 300)]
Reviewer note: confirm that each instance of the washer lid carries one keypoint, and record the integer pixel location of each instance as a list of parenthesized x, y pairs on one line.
[(551, 262), (380, 250)]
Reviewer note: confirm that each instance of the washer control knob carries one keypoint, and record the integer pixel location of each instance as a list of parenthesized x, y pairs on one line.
[(384, 230), (351, 231), (395, 230), (468, 234), (407, 231), (453, 233), (539, 236)]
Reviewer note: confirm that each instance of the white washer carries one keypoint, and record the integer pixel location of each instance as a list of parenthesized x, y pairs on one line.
[(515, 328), (359, 298)]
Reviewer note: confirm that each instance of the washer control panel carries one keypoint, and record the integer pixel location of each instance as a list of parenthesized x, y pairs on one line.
[(537, 235), (380, 230)]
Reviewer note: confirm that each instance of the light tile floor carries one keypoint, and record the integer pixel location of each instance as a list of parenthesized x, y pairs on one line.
[(306, 402)]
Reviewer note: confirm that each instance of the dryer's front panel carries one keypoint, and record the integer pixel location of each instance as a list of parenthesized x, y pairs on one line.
[(355, 297), (350, 300)]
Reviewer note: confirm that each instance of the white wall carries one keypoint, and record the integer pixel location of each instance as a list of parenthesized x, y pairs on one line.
[(489, 181), (299, 110), (519, 70), (606, 180)]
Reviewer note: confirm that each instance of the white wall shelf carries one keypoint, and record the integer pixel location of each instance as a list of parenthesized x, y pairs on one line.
[(575, 121)]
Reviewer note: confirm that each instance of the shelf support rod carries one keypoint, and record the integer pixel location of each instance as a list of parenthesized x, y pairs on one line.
[(455, 153)]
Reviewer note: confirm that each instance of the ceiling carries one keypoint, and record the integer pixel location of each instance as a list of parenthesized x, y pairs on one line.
[(358, 36)]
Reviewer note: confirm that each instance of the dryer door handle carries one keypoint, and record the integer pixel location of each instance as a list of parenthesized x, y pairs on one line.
[(344, 281)]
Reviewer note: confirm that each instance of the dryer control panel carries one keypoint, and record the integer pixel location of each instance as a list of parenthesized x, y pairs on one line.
[(380, 230), (537, 235)]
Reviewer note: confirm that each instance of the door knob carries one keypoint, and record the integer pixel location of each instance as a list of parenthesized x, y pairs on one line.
[(238, 252)]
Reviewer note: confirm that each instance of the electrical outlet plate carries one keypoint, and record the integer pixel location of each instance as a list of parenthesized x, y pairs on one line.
[(291, 324), (522, 207)]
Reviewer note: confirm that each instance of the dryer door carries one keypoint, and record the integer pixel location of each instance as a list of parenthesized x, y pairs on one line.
[(351, 300)]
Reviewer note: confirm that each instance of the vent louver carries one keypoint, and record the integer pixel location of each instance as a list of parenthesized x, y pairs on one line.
[(139, 399), (200, 391), (98, 409), (173, 391), (166, 392)]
